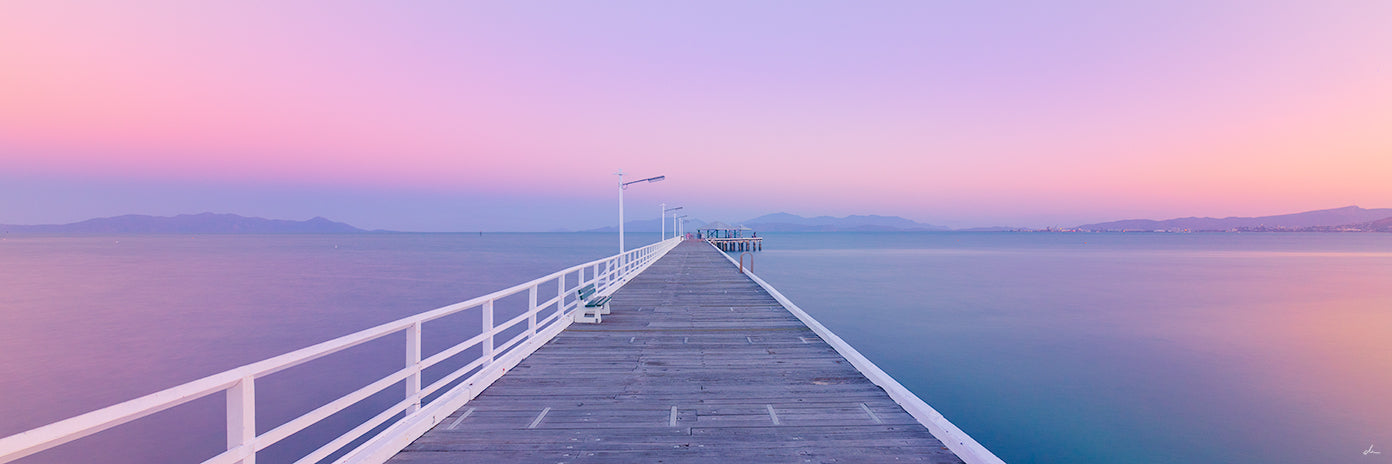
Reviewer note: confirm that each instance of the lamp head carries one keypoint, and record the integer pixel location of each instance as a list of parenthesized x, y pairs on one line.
[(649, 180)]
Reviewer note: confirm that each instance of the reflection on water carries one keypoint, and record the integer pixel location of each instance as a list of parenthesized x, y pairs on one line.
[(1107, 348)]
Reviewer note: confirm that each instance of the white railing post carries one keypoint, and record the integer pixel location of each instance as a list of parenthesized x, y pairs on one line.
[(561, 294), (413, 359), (488, 330), (609, 268), (241, 419), (531, 312)]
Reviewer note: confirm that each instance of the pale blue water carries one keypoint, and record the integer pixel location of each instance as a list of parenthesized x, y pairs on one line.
[(1057, 348), (1119, 348)]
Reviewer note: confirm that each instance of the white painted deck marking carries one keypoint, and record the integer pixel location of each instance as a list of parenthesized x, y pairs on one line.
[(751, 340), (870, 413), (461, 418), (804, 340), (630, 339), (537, 421), (672, 420), (773, 415)]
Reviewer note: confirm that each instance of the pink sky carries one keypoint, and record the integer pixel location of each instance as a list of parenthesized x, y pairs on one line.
[(481, 116)]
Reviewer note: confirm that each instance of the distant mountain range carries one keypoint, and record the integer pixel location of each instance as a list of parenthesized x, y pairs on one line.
[(1349, 218), (1346, 219), (1381, 225), (205, 223), (784, 222)]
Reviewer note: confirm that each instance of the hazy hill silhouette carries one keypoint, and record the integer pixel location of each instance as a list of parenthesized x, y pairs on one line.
[(1318, 218), (205, 223)]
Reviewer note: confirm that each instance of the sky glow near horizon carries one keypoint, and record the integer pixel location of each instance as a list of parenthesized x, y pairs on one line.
[(514, 116)]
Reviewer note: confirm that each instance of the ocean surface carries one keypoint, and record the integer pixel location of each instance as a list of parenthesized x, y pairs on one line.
[(1047, 348), (1120, 348)]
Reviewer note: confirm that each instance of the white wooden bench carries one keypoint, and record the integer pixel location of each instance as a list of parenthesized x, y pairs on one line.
[(595, 305)]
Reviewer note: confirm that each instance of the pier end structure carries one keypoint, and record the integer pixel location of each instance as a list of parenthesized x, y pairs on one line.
[(730, 238)]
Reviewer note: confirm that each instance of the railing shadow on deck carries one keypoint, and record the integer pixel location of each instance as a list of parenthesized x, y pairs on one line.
[(422, 407)]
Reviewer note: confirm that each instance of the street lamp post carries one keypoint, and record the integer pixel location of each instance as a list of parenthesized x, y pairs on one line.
[(677, 228), (622, 186), (663, 220)]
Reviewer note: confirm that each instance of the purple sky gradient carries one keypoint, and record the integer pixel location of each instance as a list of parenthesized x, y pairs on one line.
[(440, 116)]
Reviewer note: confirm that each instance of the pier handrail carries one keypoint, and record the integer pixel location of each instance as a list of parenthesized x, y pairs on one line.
[(961, 444), (607, 274)]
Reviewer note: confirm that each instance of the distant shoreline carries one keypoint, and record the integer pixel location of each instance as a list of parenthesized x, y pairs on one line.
[(7, 233), (1338, 220)]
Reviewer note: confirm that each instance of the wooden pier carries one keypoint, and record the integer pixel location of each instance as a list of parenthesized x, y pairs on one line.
[(696, 363)]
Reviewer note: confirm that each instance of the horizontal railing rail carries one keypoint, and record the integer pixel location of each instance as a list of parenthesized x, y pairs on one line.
[(544, 320)]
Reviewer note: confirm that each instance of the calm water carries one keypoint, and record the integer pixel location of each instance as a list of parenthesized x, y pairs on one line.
[(1120, 348), (1058, 348)]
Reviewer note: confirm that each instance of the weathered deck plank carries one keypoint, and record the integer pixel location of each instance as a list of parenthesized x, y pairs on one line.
[(696, 363)]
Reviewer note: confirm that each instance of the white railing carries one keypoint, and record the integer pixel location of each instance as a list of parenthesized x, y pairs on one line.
[(961, 444), (544, 320)]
